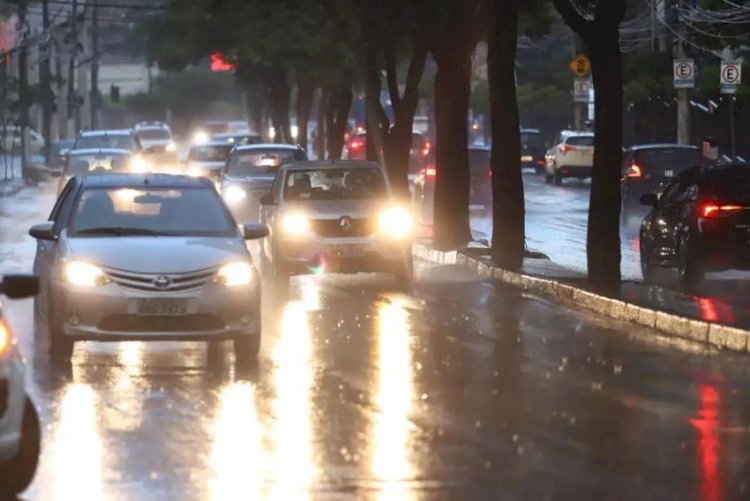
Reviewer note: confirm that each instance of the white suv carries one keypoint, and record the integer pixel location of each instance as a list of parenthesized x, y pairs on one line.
[(20, 435), (571, 156)]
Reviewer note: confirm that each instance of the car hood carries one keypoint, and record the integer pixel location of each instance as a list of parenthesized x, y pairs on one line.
[(156, 254), (330, 209)]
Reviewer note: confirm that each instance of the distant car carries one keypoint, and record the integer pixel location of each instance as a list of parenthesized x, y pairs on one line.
[(210, 129), (20, 431), (10, 140), (423, 193), (146, 257), (649, 168), (155, 137), (420, 153), (121, 139), (239, 138), (98, 161), (334, 217), (571, 156), (532, 149), (58, 153), (249, 174), (700, 224), (208, 160)]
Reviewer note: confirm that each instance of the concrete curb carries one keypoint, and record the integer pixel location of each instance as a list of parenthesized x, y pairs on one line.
[(719, 336)]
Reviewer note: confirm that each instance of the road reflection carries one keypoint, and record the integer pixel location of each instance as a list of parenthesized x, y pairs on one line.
[(707, 423), (391, 458)]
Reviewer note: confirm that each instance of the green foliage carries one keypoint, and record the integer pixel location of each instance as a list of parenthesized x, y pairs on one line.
[(648, 76)]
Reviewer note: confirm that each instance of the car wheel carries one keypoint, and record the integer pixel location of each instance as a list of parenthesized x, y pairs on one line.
[(246, 349), (60, 346), (18, 472), (689, 270), (647, 267)]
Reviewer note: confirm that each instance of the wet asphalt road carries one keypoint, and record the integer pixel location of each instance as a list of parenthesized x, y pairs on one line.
[(457, 389)]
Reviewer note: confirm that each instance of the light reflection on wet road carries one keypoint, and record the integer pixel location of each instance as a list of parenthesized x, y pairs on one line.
[(459, 389)]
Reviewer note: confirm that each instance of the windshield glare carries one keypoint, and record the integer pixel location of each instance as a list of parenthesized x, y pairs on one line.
[(82, 164), (209, 153), (265, 161), (335, 184), (169, 211), (120, 142)]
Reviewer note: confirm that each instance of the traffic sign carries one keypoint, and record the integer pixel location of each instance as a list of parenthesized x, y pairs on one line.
[(684, 73), (581, 90), (731, 76), (580, 66)]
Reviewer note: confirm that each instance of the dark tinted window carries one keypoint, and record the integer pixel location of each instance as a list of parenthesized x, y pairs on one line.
[(262, 161), (117, 142), (209, 153), (581, 141), (479, 160), (730, 184), (677, 159), (531, 138)]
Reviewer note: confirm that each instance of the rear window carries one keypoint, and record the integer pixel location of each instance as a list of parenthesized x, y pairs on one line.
[(209, 153), (580, 141), (479, 160), (262, 161), (531, 139), (99, 162), (153, 134), (118, 142), (732, 185), (677, 159)]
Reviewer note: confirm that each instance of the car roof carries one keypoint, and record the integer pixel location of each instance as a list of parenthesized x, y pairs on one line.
[(237, 134), (107, 132), (89, 151), (115, 180), (328, 164), (660, 146), (530, 131), (267, 146)]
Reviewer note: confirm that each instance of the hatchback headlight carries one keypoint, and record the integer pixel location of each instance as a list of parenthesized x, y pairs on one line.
[(396, 222), (235, 274), (5, 338), (295, 224), (84, 274), (233, 194)]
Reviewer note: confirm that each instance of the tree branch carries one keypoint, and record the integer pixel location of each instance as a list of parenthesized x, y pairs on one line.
[(573, 18), (613, 14), (391, 75), (414, 77)]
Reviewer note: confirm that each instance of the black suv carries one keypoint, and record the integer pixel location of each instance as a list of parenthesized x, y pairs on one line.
[(700, 224), (649, 168)]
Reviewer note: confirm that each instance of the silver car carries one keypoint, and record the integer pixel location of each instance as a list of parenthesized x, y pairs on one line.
[(335, 217), (146, 257)]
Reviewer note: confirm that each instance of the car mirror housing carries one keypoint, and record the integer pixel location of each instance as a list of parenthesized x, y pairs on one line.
[(268, 199), (649, 200), (254, 231), (44, 231), (19, 286)]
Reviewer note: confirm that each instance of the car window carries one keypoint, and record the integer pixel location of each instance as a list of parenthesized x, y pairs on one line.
[(334, 184), (581, 141), (66, 199), (671, 193), (209, 153), (116, 142), (261, 161), (479, 160), (59, 202), (171, 211), (671, 159), (98, 162), (531, 139)]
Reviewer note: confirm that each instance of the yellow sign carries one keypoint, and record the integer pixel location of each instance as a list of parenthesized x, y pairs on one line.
[(580, 66)]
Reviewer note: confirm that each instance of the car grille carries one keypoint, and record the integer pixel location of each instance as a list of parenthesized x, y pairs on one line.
[(157, 282), (3, 397), (333, 228), (136, 323)]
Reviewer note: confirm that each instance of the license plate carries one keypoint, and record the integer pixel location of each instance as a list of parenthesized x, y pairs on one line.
[(160, 307), (668, 173), (348, 251)]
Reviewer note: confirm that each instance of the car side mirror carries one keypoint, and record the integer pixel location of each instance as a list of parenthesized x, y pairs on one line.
[(268, 199), (649, 200), (44, 231), (19, 286), (254, 231)]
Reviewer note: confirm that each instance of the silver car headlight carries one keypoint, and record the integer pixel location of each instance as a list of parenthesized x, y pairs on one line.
[(235, 274), (295, 224), (396, 222), (83, 274), (233, 194)]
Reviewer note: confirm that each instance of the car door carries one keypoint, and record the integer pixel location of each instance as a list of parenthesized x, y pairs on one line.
[(268, 211), (668, 216)]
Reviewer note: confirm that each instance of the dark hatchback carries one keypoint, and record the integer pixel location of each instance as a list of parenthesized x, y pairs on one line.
[(649, 168), (700, 224), (532, 149)]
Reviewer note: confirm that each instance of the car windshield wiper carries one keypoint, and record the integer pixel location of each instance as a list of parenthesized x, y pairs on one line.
[(120, 231)]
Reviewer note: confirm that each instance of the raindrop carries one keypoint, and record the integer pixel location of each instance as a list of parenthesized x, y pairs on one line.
[(418, 366), (515, 438), (520, 451), (596, 386), (424, 396), (618, 368), (572, 420), (153, 475), (478, 424), (487, 464)]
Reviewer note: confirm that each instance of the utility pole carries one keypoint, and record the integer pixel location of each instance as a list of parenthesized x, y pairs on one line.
[(23, 86), (683, 95), (45, 80), (94, 91), (72, 99)]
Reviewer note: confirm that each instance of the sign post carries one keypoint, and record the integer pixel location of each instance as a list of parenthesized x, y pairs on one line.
[(731, 78), (684, 74), (581, 90), (581, 67)]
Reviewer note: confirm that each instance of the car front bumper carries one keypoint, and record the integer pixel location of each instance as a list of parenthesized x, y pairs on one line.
[(12, 401)]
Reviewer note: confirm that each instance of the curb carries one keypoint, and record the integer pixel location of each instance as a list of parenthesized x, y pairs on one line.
[(716, 335)]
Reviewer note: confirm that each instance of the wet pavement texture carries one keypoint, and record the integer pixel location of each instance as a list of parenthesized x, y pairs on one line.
[(457, 389), (556, 223)]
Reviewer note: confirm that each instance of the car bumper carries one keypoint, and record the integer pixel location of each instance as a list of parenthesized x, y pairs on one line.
[(110, 313), (579, 171), (12, 400)]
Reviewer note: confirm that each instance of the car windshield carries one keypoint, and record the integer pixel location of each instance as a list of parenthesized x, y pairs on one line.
[(677, 159), (261, 161), (98, 162), (153, 134), (239, 139), (334, 184), (581, 141), (119, 141), (479, 160), (217, 153), (151, 211)]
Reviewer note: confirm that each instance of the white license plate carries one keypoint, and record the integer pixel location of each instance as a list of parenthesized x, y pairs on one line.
[(160, 307), (668, 173), (348, 251)]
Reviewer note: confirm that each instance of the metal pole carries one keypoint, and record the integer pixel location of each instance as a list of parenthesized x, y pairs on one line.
[(731, 127), (45, 82), (23, 86), (683, 95), (94, 91), (72, 101)]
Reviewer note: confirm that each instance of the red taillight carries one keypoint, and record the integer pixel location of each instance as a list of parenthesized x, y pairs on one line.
[(566, 148), (540, 163), (634, 171), (356, 145), (427, 148), (430, 172), (489, 172), (713, 209)]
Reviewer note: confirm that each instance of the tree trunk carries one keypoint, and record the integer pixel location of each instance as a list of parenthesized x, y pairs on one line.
[(603, 241), (376, 119), (280, 95), (337, 120), (322, 132), (452, 90), (304, 107), (508, 211)]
